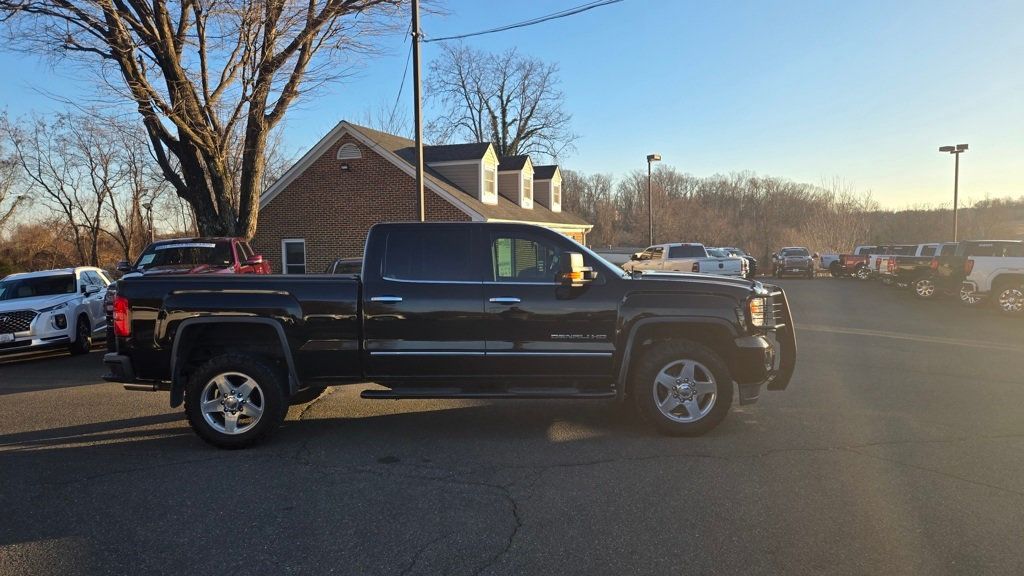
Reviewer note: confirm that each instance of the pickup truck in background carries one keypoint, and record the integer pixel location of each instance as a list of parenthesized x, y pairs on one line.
[(751, 261), (918, 254), (851, 264), (196, 256), (948, 272), (453, 310), (876, 263), (793, 260), (686, 257), (905, 271), (999, 277)]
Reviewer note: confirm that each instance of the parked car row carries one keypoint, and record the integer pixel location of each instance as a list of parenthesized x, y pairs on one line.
[(69, 306), (973, 271)]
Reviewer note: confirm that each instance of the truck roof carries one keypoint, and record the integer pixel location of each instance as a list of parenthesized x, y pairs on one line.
[(53, 272)]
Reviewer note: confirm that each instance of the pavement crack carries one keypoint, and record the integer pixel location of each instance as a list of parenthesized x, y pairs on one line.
[(936, 472)]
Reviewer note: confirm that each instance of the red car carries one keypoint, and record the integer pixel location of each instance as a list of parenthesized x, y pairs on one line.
[(196, 256)]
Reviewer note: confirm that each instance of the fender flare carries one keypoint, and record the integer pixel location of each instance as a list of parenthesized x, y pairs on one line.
[(178, 386), (627, 350)]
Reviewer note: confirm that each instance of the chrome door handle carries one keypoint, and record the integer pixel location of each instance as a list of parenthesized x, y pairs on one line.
[(506, 300), (386, 299)]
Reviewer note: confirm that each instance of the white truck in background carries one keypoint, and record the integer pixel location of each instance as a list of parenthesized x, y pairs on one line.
[(686, 257), (999, 276)]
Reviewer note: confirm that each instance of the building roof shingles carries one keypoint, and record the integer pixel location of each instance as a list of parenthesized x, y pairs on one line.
[(505, 209)]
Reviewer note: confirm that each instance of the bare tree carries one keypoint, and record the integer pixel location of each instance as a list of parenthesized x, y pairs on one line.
[(11, 198), (210, 79), (508, 99)]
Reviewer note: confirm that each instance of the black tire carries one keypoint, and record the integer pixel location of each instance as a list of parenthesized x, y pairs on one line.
[(643, 389), (835, 270), (305, 396), (862, 273), (270, 383), (810, 273), (83, 337)]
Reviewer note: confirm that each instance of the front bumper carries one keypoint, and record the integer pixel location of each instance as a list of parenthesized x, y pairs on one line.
[(42, 333), (769, 358)]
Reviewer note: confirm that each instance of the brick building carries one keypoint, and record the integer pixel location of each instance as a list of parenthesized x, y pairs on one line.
[(323, 207)]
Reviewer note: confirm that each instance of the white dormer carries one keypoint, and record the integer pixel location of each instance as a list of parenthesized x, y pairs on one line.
[(489, 177), (515, 180), (547, 184)]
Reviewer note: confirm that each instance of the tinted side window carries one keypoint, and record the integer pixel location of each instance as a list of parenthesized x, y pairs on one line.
[(948, 250), (429, 254), (685, 252), (656, 253), (928, 251), (523, 258)]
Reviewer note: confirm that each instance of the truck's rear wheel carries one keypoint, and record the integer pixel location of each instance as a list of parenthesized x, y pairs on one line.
[(683, 388), (969, 297), (924, 288), (835, 270), (235, 400), (863, 273)]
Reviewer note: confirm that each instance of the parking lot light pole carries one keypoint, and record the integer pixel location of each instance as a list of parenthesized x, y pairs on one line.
[(650, 206), (955, 151)]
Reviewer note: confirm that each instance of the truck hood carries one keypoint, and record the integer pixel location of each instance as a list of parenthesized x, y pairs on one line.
[(672, 279), (35, 303)]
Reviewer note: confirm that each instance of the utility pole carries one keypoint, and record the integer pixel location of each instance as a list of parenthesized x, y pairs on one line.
[(418, 108)]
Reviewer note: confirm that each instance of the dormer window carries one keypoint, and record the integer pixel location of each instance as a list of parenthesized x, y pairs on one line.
[(556, 196), (527, 190), (489, 194)]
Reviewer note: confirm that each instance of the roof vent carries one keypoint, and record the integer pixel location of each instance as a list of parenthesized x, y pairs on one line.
[(349, 152)]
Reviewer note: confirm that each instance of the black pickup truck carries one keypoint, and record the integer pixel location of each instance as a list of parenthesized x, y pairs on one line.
[(465, 310), (948, 270)]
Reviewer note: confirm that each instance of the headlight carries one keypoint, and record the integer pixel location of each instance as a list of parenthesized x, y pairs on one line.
[(60, 306), (757, 306)]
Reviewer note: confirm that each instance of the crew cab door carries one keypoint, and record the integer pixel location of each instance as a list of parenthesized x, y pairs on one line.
[(422, 303), (539, 331)]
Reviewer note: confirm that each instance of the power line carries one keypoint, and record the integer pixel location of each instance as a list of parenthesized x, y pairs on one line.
[(401, 87), (553, 16)]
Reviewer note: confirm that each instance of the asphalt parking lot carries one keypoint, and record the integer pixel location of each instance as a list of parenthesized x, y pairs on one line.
[(897, 449)]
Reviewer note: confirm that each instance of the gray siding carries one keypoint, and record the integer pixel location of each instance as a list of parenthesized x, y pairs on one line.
[(508, 185), (542, 192), (465, 176)]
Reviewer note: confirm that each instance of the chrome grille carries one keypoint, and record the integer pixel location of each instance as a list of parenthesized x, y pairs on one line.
[(18, 321)]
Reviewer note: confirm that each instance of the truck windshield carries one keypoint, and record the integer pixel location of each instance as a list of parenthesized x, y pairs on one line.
[(186, 254), (796, 252), (39, 286), (717, 253)]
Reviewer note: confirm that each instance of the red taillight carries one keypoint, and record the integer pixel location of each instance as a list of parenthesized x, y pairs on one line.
[(935, 264), (968, 267), (696, 267), (122, 317)]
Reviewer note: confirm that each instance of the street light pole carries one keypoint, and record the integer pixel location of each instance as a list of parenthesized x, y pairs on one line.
[(650, 205), (955, 151)]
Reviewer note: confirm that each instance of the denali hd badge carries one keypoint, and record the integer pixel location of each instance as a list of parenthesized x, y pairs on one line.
[(579, 336)]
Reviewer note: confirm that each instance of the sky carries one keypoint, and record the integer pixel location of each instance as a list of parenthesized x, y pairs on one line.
[(863, 92)]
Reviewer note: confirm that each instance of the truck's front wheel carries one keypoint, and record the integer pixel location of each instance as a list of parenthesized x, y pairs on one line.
[(235, 400), (683, 388)]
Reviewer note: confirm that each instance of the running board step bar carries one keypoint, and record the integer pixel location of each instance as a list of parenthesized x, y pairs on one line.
[(448, 393)]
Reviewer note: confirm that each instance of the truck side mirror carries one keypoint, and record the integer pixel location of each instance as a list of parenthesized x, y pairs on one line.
[(572, 272), (636, 256), (124, 266)]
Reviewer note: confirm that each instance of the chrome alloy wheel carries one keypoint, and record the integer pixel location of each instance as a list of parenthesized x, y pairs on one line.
[(685, 391), (232, 403), (863, 273), (925, 287), (1011, 300), (968, 297)]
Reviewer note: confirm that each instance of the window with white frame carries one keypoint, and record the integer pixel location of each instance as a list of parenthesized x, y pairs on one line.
[(490, 190), (293, 256), (556, 194), (527, 191)]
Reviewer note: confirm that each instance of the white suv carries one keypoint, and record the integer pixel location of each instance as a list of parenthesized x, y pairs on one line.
[(52, 308)]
